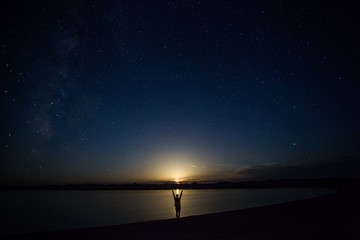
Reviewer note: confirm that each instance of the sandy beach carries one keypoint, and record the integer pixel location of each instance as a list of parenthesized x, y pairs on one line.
[(334, 216)]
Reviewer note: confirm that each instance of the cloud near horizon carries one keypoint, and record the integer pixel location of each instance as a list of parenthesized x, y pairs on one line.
[(322, 169)]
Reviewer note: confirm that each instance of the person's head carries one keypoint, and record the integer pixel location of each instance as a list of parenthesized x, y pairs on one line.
[(177, 195)]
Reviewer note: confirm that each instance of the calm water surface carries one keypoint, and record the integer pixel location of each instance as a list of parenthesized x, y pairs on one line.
[(34, 211)]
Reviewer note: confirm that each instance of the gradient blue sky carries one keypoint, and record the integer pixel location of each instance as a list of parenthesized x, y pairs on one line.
[(144, 91)]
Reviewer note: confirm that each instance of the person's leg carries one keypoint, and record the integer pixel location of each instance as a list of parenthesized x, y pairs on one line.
[(177, 212)]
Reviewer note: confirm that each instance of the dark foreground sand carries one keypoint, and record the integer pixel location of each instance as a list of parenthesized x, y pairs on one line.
[(335, 216)]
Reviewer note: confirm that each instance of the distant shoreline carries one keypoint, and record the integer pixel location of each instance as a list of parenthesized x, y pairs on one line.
[(283, 183)]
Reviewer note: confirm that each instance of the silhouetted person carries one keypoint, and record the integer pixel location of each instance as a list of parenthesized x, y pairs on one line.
[(177, 199)]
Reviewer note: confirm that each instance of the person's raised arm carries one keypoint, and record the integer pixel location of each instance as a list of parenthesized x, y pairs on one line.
[(173, 193), (181, 193)]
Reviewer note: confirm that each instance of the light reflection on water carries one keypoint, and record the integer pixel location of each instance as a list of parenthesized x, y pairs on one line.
[(34, 211)]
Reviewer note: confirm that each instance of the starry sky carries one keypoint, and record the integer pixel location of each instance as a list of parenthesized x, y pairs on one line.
[(157, 91)]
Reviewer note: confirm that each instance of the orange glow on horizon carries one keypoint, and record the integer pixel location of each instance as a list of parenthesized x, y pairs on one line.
[(176, 168)]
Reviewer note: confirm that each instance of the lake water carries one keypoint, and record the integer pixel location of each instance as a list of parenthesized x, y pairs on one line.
[(35, 211)]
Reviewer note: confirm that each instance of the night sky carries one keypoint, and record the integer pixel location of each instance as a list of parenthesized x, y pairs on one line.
[(159, 91)]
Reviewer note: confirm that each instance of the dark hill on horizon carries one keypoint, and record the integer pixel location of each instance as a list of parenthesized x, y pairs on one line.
[(281, 183)]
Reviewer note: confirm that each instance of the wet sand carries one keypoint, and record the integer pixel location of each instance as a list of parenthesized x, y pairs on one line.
[(336, 216)]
